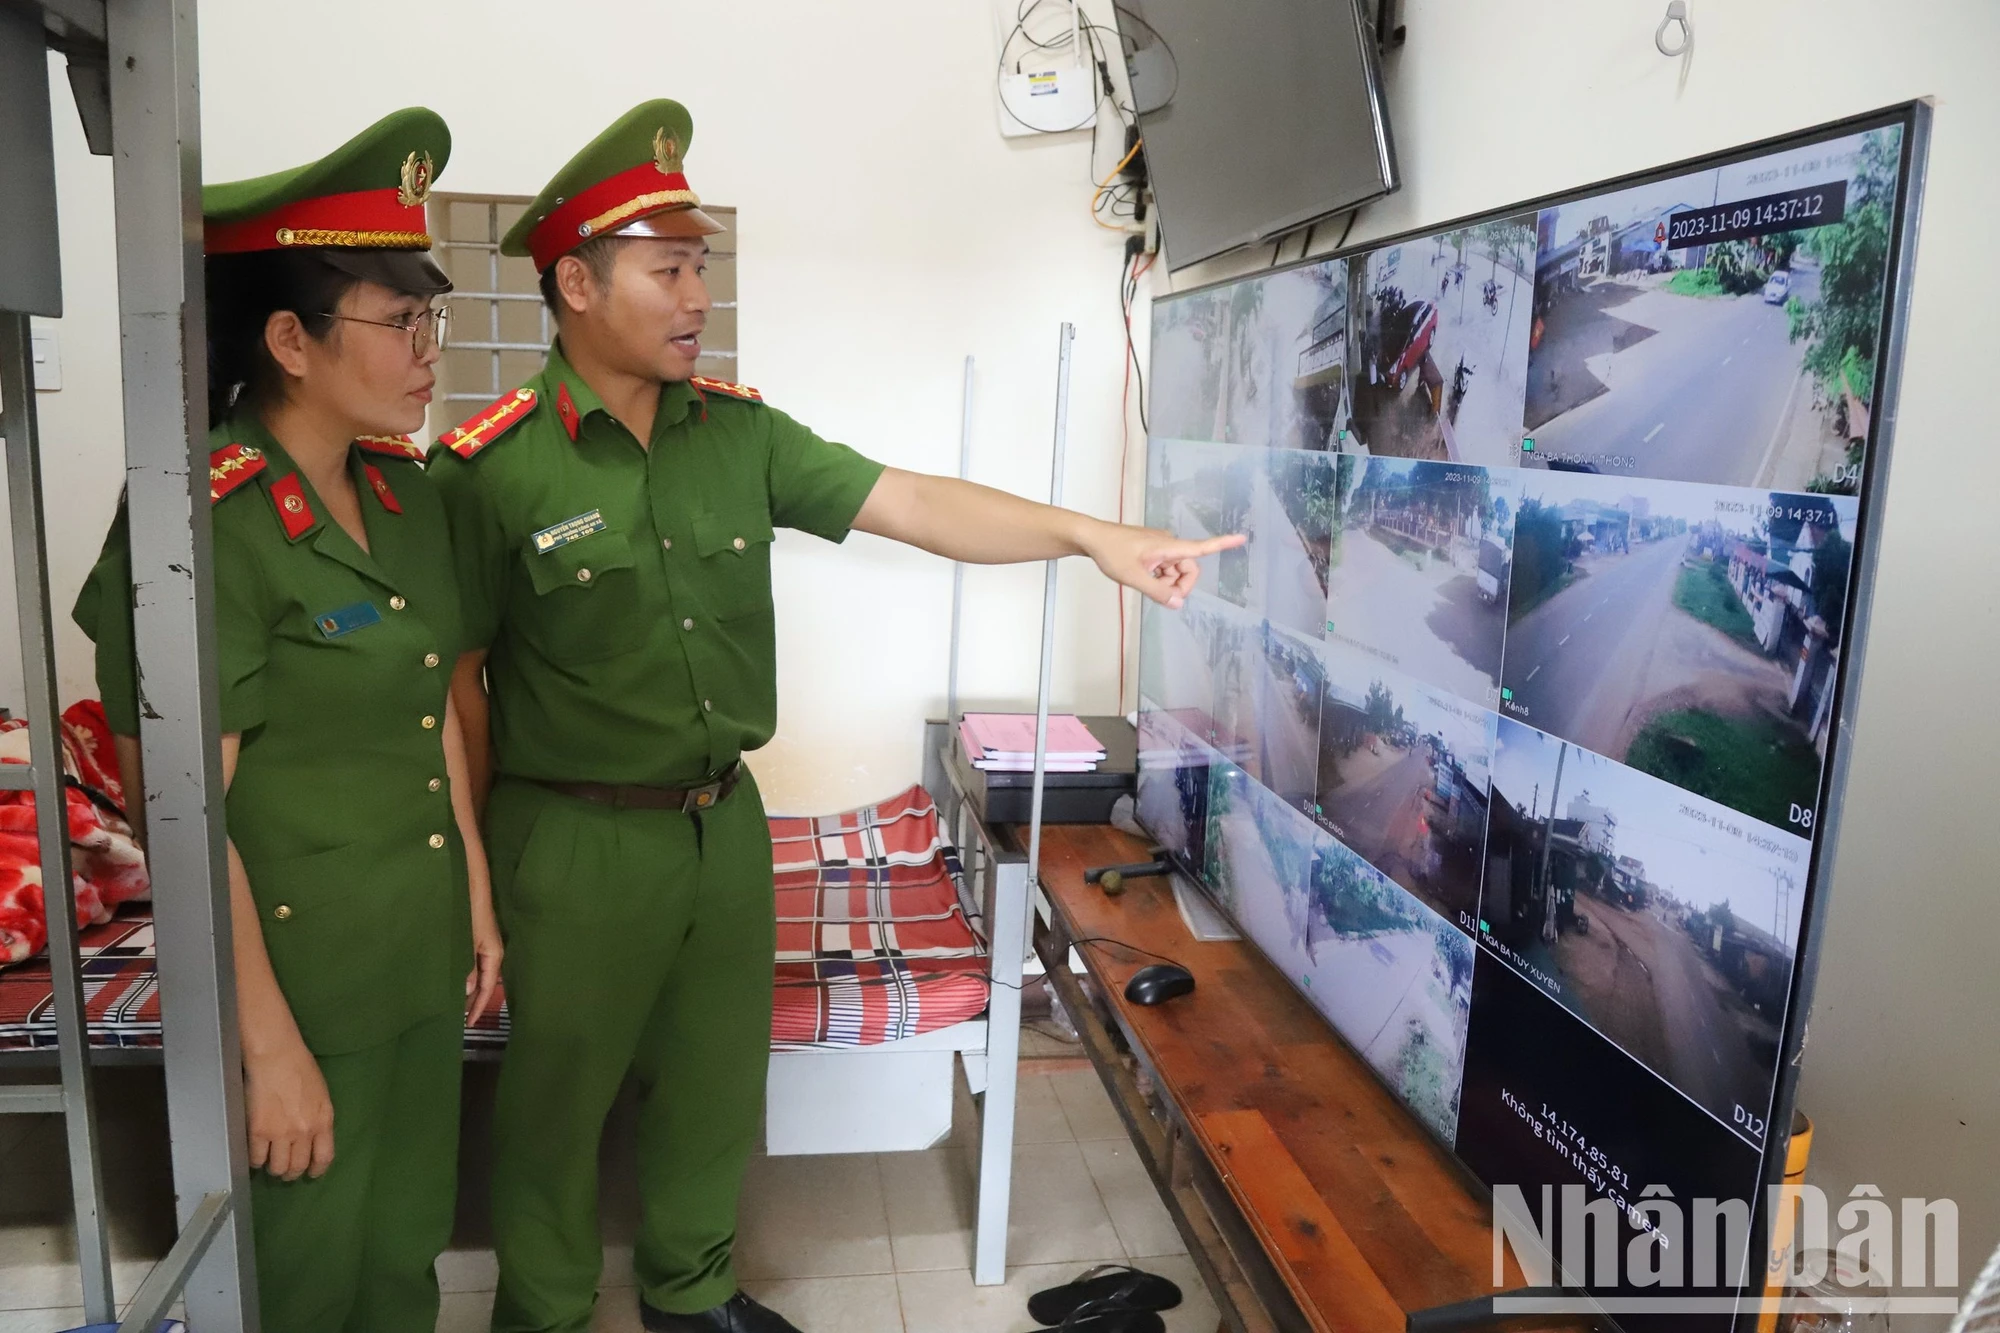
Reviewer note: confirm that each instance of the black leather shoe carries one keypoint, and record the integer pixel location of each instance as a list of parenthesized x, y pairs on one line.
[(738, 1314)]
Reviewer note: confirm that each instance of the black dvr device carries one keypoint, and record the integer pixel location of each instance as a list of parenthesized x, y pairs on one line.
[(1067, 798)]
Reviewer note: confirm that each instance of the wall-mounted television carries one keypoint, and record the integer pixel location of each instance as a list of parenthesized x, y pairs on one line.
[(1259, 116), (1515, 735)]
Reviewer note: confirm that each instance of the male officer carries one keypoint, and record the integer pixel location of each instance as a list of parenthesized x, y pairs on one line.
[(613, 521)]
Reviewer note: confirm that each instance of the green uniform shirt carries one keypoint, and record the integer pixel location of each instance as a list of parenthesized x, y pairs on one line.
[(334, 665), (634, 641)]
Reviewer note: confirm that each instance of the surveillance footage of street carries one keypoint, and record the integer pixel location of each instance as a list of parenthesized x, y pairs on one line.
[(1504, 736)]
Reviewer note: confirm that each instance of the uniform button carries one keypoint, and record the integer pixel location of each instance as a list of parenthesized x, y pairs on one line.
[(583, 576), (282, 912), (437, 840), (430, 659), (666, 543), (738, 543), (687, 624), (437, 784), (429, 722), (707, 707), (397, 603)]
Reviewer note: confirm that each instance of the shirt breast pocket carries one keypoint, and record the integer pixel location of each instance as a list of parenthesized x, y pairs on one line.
[(585, 604), (735, 551)]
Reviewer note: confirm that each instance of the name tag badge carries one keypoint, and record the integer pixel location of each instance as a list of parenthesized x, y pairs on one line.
[(334, 624), (567, 531)]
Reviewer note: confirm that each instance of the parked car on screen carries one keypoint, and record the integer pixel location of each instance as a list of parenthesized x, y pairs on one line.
[(1406, 339), (1778, 288)]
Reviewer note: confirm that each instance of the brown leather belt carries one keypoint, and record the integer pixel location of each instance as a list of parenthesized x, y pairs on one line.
[(687, 800)]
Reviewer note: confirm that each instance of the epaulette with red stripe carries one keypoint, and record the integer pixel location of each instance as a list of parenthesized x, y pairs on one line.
[(230, 466), (395, 446), (489, 424), (703, 384)]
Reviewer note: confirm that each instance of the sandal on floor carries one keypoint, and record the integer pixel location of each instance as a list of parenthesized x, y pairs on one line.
[(1111, 1284), (1110, 1317)]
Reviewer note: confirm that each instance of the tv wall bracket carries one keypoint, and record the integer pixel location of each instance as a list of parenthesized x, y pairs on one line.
[(1390, 31)]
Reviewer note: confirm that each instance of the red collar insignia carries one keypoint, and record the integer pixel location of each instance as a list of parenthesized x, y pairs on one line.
[(289, 495), (380, 485), (566, 411)]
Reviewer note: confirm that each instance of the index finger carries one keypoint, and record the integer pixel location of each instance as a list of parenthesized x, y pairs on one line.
[(1227, 542)]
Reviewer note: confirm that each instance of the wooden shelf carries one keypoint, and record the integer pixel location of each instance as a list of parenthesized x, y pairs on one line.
[(1329, 1207)]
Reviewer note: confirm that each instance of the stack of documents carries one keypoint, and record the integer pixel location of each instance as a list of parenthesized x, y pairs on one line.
[(1005, 743)]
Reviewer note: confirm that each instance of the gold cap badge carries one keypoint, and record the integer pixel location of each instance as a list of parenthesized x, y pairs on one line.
[(416, 187), (666, 153)]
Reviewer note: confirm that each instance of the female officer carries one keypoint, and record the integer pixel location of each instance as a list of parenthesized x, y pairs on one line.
[(358, 886)]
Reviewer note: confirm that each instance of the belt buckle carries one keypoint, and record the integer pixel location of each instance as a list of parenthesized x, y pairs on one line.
[(701, 798)]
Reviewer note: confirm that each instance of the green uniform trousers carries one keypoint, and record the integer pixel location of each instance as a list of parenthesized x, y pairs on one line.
[(638, 941), (355, 1250)]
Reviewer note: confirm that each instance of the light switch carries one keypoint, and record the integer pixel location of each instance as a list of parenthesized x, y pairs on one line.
[(47, 358)]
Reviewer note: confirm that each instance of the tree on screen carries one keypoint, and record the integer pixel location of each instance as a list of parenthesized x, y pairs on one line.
[(1539, 558), (1385, 715), (1508, 243), (1231, 353), (1840, 327)]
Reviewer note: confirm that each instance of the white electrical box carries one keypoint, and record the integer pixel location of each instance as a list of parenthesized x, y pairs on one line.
[(1045, 81), (1048, 101)]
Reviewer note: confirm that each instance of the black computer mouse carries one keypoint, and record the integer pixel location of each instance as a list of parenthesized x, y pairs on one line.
[(1158, 983)]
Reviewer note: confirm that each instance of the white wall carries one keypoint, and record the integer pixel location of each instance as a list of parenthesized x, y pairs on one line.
[(888, 231), (82, 426), (1498, 102)]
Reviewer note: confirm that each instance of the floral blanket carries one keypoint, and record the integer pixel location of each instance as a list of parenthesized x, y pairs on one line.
[(106, 865)]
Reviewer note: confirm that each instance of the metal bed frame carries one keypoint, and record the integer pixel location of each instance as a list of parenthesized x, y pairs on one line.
[(132, 70)]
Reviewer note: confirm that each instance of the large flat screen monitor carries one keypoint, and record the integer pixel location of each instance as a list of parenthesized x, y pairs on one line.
[(1259, 116), (1513, 736)]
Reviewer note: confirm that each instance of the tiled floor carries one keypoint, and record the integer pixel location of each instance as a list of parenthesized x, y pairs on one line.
[(855, 1244)]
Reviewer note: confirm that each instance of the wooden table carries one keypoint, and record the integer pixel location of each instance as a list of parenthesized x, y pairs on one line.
[(1308, 1196)]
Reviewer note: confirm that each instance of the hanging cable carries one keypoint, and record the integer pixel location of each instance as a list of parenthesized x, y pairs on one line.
[(1105, 185)]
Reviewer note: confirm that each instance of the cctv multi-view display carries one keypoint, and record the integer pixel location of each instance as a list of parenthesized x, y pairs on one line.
[(1509, 735)]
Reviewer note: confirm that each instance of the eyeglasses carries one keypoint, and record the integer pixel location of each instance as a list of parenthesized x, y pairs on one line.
[(429, 330)]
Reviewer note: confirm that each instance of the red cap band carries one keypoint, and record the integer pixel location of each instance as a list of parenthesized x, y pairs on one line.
[(605, 207), (363, 219)]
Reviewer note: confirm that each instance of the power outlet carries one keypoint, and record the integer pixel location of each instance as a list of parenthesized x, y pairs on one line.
[(47, 353)]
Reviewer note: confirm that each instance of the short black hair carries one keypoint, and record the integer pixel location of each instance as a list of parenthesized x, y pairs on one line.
[(244, 291), (599, 254)]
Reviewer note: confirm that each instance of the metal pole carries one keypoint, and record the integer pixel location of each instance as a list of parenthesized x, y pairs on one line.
[(1063, 341), (1548, 840), (38, 675), (156, 132), (164, 1283), (1012, 908), (958, 566)]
